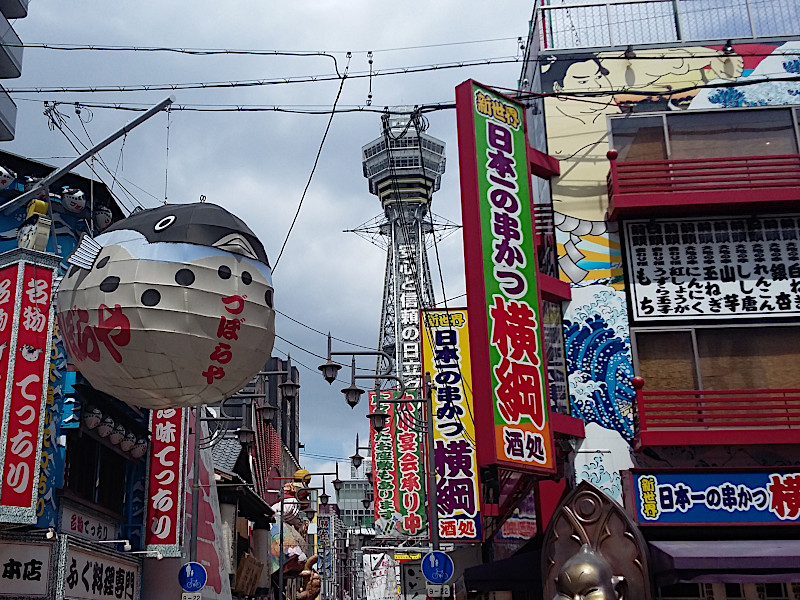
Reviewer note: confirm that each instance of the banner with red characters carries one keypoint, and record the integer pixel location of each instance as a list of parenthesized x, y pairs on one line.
[(164, 521), (26, 322)]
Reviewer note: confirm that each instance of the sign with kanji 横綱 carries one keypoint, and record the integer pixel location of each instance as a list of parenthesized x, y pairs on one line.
[(509, 368), (445, 350), (716, 497)]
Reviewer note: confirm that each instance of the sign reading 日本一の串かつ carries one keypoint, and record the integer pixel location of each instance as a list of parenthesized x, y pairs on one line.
[(716, 498), (507, 353), (446, 355)]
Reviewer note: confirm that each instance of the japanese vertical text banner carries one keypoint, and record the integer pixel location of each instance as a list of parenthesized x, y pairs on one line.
[(398, 469), (716, 498), (26, 327), (164, 520), (446, 354), (506, 345)]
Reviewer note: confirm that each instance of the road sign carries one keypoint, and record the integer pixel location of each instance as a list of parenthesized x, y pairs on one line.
[(191, 596), (192, 577), (437, 567), (434, 590)]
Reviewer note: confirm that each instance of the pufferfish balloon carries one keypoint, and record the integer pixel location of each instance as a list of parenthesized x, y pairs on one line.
[(170, 307)]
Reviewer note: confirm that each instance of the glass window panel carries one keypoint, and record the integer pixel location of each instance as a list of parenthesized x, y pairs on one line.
[(745, 358), (722, 134), (666, 360), (639, 138)]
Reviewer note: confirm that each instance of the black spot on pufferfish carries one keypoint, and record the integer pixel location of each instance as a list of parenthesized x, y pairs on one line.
[(268, 298), (224, 272), (110, 284), (247, 279), (184, 277), (151, 297), (102, 262)]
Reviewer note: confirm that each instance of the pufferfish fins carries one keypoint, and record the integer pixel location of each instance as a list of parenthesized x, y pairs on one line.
[(86, 253)]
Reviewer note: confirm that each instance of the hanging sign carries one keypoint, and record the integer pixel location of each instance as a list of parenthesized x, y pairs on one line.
[(506, 343), (164, 519), (26, 322), (446, 355)]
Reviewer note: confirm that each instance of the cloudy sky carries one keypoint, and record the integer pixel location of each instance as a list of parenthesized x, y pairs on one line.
[(257, 164)]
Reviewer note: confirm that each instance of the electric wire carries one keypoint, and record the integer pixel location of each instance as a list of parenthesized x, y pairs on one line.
[(313, 169)]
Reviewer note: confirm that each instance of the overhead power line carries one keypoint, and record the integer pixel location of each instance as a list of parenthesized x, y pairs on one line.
[(266, 82)]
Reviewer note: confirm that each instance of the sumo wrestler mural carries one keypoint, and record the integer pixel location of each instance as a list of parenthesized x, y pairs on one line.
[(169, 307), (662, 80)]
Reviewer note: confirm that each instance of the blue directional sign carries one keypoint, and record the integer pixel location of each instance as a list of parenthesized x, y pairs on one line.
[(192, 577), (437, 567)]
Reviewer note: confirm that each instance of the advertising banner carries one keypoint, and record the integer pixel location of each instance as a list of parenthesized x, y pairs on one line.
[(26, 569), (398, 468), (716, 498), (164, 519), (26, 327), (710, 269), (506, 341), (91, 576), (446, 357)]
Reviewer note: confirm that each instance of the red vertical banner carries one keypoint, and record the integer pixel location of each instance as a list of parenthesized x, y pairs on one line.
[(8, 298), (164, 520), (26, 321)]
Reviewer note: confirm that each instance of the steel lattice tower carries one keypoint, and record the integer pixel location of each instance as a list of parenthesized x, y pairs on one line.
[(404, 167)]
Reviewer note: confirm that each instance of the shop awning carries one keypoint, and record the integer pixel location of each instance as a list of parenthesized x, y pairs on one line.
[(522, 572), (725, 561)]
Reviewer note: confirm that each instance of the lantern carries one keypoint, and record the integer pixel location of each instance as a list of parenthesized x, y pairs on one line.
[(73, 200), (102, 217), (170, 307)]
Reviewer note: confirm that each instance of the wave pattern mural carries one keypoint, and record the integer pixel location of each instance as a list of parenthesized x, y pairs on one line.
[(599, 362)]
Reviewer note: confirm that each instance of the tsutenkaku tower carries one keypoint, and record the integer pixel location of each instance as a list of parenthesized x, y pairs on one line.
[(404, 167)]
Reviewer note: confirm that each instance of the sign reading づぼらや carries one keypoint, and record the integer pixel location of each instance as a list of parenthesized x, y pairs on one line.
[(164, 517), (26, 321), (716, 498), (446, 357), (506, 342)]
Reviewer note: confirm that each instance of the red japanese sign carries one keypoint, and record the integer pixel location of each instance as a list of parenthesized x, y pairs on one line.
[(165, 482), (506, 342), (398, 469), (8, 295), (25, 340)]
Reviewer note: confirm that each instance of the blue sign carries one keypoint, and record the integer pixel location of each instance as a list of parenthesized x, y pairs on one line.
[(192, 577), (437, 567), (717, 498)]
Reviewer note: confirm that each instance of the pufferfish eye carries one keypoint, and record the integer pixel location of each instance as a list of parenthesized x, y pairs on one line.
[(164, 223)]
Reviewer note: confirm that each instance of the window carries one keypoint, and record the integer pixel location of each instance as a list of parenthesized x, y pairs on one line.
[(680, 591), (94, 472), (704, 134), (719, 358)]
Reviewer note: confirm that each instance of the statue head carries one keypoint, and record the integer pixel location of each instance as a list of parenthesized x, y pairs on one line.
[(588, 576)]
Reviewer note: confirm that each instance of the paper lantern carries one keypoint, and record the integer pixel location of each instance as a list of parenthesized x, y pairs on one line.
[(102, 217), (169, 307), (73, 200)]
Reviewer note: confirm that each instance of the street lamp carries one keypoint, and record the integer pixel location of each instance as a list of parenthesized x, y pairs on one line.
[(323, 497), (337, 483)]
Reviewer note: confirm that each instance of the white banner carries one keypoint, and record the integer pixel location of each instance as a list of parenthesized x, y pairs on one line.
[(709, 269), (24, 569)]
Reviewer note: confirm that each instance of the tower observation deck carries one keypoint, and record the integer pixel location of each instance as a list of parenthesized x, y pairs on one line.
[(404, 167)]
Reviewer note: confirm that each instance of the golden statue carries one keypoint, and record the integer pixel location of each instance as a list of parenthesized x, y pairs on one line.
[(588, 576)]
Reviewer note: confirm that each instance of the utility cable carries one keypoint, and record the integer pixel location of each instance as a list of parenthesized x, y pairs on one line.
[(313, 168)]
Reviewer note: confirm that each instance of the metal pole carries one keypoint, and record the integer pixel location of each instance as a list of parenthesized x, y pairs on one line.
[(58, 173), (280, 552), (432, 499), (195, 483)]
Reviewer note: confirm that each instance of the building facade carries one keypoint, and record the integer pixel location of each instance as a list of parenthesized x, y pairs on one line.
[(676, 131)]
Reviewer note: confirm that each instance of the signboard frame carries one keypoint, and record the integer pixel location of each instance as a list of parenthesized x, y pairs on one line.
[(634, 496), (501, 275)]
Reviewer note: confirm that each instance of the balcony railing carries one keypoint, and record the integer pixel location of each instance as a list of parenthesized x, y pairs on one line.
[(717, 417), (638, 187), (571, 24)]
